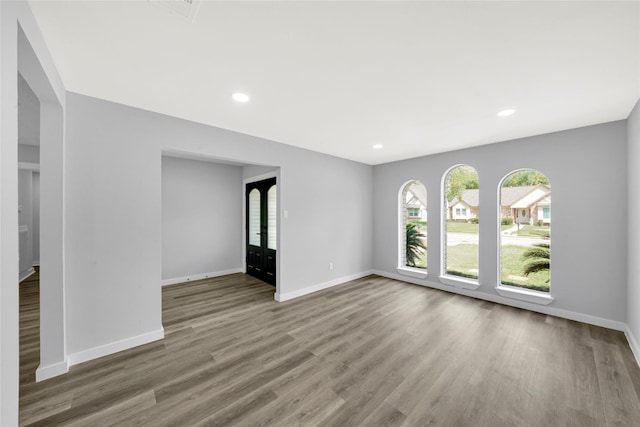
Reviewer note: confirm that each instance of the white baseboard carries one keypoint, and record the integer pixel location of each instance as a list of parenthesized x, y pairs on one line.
[(633, 343), (36, 263), (26, 274), (114, 347), (565, 314), (280, 297), (53, 370), (193, 277)]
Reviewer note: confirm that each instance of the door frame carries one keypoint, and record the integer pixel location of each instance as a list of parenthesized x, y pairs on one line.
[(39, 73), (272, 174)]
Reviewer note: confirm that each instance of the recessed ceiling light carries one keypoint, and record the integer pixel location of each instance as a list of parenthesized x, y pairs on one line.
[(377, 146), (240, 97), (507, 112)]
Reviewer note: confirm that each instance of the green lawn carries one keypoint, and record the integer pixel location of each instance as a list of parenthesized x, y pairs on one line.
[(462, 227), (463, 259), (422, 261), (534, 231), (512, 264)]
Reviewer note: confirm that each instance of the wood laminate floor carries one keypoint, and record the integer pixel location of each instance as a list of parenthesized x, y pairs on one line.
[(371, 352)]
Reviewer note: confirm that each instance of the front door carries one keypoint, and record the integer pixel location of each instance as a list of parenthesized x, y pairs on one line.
[(261, 230)]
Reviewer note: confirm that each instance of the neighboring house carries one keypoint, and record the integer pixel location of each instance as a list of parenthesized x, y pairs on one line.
[(416, 203), (544, 210), (526, 205), (466, 207)]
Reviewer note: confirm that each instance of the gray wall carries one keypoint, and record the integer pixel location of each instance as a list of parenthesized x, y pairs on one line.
[(25, 219), (250, 171), (28, 181), (633, 227), (29, 216), (201, 218), (113, 214), (36, 218), (588, 174), (28, 114), (28, 153)]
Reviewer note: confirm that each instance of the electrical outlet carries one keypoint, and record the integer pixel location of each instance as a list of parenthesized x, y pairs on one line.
[(330, 266)]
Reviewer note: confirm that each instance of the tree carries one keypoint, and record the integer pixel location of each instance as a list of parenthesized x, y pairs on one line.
[(525, 177), (459, 179), (415, 244), (538, 258)]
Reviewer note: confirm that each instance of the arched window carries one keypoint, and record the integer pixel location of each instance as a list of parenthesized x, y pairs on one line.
[(413, 226), (254, 217), (525, 230), (461, 207)]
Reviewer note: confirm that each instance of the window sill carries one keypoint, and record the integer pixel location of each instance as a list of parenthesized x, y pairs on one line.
[(416, 273), (459, 282), (527, 295)]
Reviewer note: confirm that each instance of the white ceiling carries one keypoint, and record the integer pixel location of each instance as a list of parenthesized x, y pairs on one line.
[(338, 77)]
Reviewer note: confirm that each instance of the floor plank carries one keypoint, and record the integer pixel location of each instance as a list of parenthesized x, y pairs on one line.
[(370, 352)]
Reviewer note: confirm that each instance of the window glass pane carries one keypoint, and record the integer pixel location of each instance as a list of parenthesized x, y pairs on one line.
[(413, 233), (254, 217), (525, 236), (272, 216), (460, 248)]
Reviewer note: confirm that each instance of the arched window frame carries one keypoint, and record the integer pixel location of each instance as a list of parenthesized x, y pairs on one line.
[(522, 294), (447, 279), (418, 273)]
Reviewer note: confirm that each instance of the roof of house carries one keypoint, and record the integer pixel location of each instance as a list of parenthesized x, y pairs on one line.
[(470, 197), (508, 196), (529, 198), (544, 201), (420, 193)]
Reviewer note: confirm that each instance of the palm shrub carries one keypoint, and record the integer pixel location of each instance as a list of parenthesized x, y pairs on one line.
[(538, 258), (415, 244)]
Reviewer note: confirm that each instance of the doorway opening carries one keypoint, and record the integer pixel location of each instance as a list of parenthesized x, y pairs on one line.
[(28, 230), (40, 137), (261, 229), (212, 240)]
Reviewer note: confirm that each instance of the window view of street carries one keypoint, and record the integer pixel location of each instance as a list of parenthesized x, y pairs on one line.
[(462, 222), (414, 199), (525, 237), (525, 227)]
